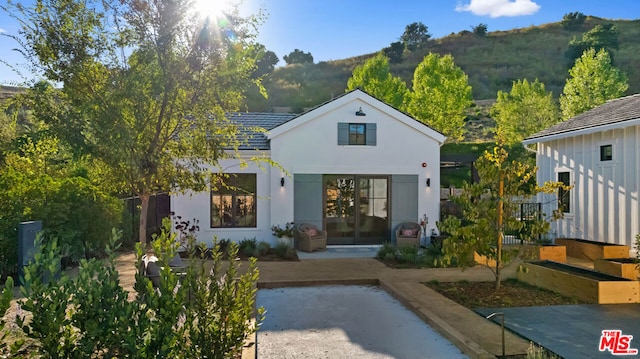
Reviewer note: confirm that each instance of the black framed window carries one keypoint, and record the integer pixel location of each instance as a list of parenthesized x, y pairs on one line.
[(606, 152), (564, 196), (233, 200), (357, 134)]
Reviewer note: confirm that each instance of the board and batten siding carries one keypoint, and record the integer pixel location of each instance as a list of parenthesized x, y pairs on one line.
[(604, 200)]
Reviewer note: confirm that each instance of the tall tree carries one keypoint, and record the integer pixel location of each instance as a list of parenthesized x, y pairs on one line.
[(491, 205), (441, 94), (415, 36), (298, 57), (145, 84), (592, 81), (374, 77), (527, 109)]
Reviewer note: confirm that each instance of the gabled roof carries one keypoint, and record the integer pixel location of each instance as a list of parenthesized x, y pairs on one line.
[(247, 121), (612, 114), (356, 94)]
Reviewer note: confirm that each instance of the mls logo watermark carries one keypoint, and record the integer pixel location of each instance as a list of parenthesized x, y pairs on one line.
[(617, 343)]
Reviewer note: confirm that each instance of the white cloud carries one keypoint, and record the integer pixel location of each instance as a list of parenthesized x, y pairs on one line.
[(2, 30), (498, 8)]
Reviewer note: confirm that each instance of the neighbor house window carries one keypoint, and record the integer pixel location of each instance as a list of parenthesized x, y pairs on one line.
[(233, 200), (606, 152), (564, 196), (357, 134)]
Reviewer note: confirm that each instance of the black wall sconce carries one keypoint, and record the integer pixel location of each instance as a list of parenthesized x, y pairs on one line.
[(428, 182), (282, 182), (360, 112)]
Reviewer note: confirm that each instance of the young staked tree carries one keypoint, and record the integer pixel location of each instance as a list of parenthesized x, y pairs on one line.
[(441, 94), (527, 109), (489, 206), (374, 77), (592, 81), (144, 85)]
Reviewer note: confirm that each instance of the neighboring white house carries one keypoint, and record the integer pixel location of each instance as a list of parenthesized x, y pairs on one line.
[(598, 152), (353, 166)]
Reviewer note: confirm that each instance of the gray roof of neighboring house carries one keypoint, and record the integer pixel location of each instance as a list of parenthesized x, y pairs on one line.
[(265, 120), (611, 112)]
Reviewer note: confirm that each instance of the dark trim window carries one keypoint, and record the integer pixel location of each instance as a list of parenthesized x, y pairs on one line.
[(233, 200), (357, 134), (564, 196), (606, 152)]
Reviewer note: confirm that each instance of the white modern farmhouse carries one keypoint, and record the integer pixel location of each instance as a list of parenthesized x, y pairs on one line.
[(598, 152), (354, 167)]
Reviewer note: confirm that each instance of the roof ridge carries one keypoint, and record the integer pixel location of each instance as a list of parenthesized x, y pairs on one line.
[(623, 97)]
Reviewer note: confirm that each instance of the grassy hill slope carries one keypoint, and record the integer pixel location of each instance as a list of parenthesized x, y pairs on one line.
[(492, 63)]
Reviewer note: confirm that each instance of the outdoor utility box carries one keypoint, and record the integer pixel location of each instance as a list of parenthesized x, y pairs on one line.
[(27, 233)]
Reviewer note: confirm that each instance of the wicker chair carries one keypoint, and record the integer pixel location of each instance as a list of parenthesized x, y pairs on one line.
[(308, 237), (408, 234)]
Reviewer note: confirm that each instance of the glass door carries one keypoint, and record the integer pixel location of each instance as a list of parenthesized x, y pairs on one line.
[(373, 218), (355, 210)]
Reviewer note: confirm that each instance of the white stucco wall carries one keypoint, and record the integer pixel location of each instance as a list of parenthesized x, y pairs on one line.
[(308, 145), (192, 205), (604, 199)]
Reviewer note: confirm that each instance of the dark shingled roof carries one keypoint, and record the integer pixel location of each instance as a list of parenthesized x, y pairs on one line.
[(265, 120), (611, 112)]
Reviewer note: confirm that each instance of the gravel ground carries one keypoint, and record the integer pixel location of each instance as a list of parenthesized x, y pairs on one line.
[(344, 322)]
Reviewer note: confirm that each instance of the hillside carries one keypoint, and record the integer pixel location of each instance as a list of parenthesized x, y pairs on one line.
[(492, 63)]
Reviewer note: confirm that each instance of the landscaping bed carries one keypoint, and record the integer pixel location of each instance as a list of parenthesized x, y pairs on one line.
[(588, 285), (512, 293), (623, 267), (592, 250)]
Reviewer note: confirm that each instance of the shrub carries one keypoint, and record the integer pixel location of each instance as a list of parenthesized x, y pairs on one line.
[(261, 249), (386, 251), (410, 256), (75, 211), (205, 313), (247, 246), (284, 250), (537, 352)]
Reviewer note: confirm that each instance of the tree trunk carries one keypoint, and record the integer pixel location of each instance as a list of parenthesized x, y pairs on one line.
[(144, 210), (500, 232)]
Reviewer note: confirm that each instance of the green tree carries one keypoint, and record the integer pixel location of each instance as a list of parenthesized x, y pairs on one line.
[(592, 81), (603, 36), (573, 20), (266, 61), (415, 36), (394, 52), (374, 77), (441, 94), (298, 57), (145, 85), (489, 206), (527, 109), (480, 29)]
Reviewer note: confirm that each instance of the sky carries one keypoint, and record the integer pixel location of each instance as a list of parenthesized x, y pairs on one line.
[(339, 29)]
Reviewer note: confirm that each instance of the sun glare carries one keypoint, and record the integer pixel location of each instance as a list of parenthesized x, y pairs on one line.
[(210, 8)]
